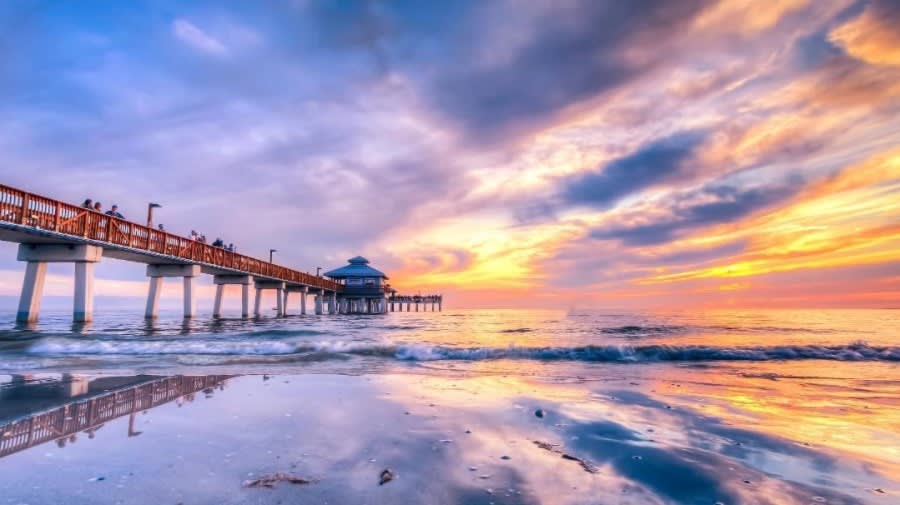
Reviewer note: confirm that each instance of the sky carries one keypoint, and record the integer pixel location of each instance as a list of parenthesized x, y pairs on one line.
[(510, 153)]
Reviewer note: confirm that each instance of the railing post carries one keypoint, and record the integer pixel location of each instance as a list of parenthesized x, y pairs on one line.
[(56, 216), (25, 201)]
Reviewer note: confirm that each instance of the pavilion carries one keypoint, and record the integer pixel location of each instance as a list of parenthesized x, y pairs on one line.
[(365, 290)]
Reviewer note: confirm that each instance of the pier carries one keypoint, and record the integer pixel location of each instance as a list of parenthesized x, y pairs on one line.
[(397, 301), (51, 231)]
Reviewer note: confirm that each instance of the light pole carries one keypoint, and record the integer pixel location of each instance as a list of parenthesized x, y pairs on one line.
[(271, 252), (150, 207), (317, 271)]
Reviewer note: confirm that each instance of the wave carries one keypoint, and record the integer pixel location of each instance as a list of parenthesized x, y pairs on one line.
[(664, 329), (641, 330), (651, 353), (282, 333), (859, 351)]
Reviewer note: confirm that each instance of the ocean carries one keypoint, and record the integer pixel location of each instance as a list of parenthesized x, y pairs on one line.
[(461, 406)]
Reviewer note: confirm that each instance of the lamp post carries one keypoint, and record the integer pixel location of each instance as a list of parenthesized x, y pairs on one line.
[(271, 252), (317, 271), (150, 207)]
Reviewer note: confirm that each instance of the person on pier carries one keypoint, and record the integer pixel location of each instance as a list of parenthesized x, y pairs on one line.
[(114, 212)]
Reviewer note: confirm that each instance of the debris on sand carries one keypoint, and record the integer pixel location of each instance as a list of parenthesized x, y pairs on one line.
[(270, 480), (386, 476), (588, 467), (547, 446), (539, 413), (585, 465)]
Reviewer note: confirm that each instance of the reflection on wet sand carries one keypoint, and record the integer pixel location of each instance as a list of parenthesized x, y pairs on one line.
[(655, 440), (449, 437), (87, 405)]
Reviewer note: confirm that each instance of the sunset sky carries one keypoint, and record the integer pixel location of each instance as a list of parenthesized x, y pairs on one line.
[(564, 153)]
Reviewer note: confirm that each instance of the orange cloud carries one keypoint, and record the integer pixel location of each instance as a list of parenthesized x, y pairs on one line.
[(848, 219), (746, 16), (873, 36)]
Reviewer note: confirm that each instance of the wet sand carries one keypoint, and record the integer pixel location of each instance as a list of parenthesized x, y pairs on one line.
[(602, 434)]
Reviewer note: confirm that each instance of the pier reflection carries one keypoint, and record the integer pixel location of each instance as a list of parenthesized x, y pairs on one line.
[(36, 410)]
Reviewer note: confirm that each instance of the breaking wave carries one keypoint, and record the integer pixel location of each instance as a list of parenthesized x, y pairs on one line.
[(859, 351), (641, 330)]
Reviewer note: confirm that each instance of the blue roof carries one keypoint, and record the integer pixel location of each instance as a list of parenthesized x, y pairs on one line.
[(358, 267)]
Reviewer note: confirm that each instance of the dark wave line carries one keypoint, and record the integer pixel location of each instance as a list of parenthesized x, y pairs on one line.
[(858, 351)]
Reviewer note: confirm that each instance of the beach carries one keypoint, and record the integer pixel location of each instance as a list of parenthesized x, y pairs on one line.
[(462, 407)]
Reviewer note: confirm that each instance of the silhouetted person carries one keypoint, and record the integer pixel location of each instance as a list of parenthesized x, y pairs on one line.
[(161, 227), (88, 204), (114, 212), (98, 207), (218, 243)]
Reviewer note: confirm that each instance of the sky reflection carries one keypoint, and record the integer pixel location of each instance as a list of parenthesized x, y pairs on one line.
[(665, 434)]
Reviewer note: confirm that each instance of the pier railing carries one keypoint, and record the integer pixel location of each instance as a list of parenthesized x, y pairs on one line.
[(27, 209), (416, 298), (88, 414)]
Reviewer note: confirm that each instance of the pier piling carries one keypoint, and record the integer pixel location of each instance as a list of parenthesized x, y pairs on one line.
[(157, 273)]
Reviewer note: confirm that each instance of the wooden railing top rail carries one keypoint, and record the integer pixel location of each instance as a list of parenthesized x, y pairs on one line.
[(27, 209)]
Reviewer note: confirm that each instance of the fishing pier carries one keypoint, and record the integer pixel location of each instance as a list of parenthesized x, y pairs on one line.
[(51, 231)]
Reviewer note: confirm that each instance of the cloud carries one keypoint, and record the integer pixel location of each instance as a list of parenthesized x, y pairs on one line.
[(193, 36), (465, 143), (711, 205), (558, 57), (745, 16), (650, 165), (873, 36)]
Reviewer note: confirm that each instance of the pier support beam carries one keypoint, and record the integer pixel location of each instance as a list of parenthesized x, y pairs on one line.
[(318, 304), (278, 286), (37, 256), (332, 303), (84, 291), (32, 289), (153, 292), (157, 273), (224, 280)]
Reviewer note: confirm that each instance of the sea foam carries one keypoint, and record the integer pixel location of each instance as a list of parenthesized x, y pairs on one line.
[(857, 351)]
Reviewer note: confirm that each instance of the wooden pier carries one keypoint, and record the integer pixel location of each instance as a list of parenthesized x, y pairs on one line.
[(49, 230), (426, 301)]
